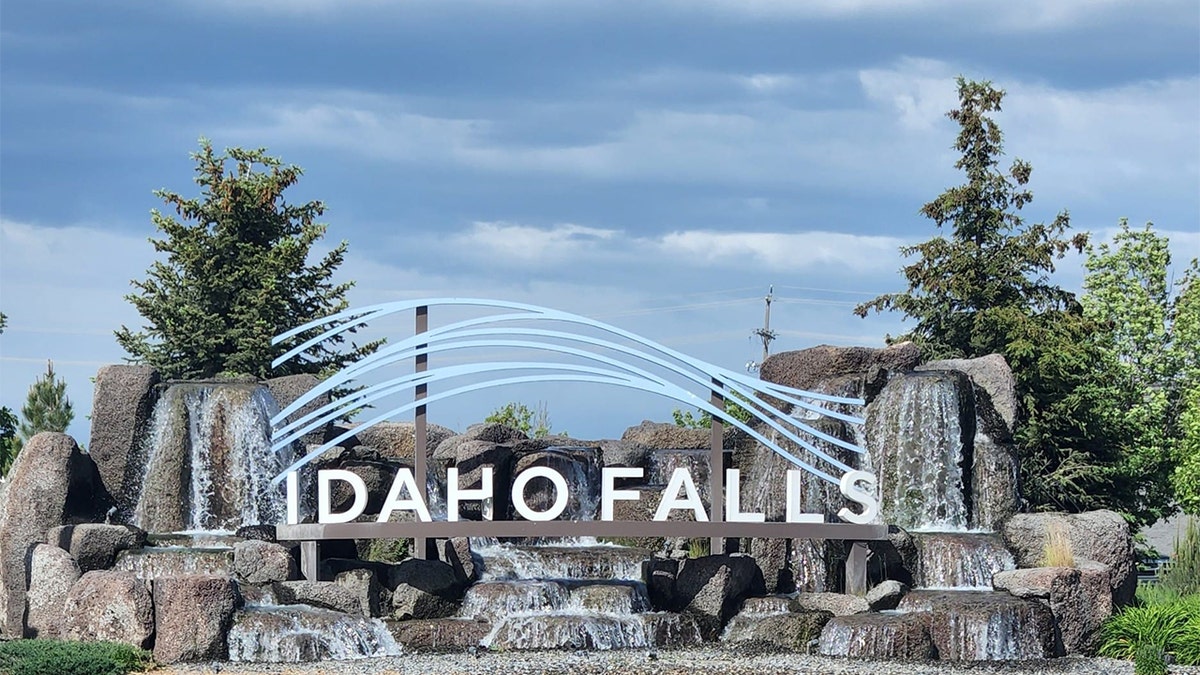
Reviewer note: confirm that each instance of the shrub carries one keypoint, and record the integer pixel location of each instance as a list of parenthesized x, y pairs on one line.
[(60, 657), (389, 550), (1149, 660), (1058, 551), (1172, 626), (1183, 575)]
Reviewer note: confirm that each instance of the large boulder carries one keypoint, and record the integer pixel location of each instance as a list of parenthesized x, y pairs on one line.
[(192, 615), (260, 562), (793, 631), (110, 606), (666, 436), (992, 376), (285, 390), (364, 585), (397, 440), (324, 594), (837, 604), (439, 635), (122, 406), (878, 636), (886, 595), (808, 368), (46, 484), (52, 572), (1079, 598), (95, 545), (1102, 536), (713, 587)]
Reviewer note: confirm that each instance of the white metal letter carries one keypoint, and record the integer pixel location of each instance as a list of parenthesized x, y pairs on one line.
[(680, 478), (860, 494), (324, 478), (795, 500), (293, 498), (608, 491), (560, 493), (455, 494), (733, 500), (404, 481)]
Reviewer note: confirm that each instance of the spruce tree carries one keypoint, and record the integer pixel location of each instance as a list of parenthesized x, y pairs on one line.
[(236, 274), (983, 286), (47, 407)]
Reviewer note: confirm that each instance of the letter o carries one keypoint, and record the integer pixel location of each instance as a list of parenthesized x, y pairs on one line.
[(560, 492)]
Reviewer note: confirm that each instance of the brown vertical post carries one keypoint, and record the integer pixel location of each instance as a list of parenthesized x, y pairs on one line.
[(856, 568), (420, 433), (716, 470)]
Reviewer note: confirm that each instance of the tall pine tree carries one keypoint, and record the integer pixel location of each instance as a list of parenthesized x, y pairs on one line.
[(984, 287), (236, 274)]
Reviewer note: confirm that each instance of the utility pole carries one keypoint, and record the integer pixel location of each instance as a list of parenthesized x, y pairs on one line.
[(765, 332)]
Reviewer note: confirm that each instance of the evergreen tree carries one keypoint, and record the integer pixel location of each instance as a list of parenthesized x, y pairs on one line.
[(984, 287), (9, 442), (47, 407), (236, 274)]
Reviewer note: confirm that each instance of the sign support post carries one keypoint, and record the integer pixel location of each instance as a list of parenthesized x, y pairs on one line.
[(420, 431), (716, 470)]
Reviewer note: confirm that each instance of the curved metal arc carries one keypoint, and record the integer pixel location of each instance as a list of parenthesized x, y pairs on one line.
[(536, 312), (771, 418), (671, 391), (296, 429)]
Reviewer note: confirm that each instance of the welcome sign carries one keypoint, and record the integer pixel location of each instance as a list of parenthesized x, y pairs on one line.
[(585, 351)]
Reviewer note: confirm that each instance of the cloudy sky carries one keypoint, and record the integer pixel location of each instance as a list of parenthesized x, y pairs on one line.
[(655, 164)]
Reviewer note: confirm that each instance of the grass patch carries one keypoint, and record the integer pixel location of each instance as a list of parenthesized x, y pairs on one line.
[(1171, 626), (1183, 575), (1058, 551), (62, 657)]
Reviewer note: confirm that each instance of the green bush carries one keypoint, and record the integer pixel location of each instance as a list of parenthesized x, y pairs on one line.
[(1149, 660), (60, 657), (1172, 626), (1183, 576)]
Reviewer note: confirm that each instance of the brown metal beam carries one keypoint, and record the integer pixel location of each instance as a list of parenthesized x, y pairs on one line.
[(716, 470)]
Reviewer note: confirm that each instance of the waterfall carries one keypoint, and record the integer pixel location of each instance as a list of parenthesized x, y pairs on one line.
[(209, 461), (920, 428), (957, 560), (293, 633)]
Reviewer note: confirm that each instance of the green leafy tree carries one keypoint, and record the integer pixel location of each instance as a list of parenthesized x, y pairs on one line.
[(531, 422), (236, 274), (1127, 294), (984, 287), (1186, 343), (47, 407)]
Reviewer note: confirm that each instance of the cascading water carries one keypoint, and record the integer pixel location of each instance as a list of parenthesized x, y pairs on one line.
[(959, 560), (920, 432), (209, 462), (294, 633)]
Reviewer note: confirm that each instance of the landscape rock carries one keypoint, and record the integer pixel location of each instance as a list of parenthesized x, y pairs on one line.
[(1102, 536), (439, 635), (259, 562), (712, 588), (122, 406), (494, 433), (878, 636), (794, 631), (192, 615), (324, 594), (287, 389), (838, 604), (886, 595), (365, 587), (431, 576), (111, 606), (95, 545), (52, 572), (466, 564), (808, 368), (43, 484), (666, 436), (410, 602), (622, 453), (397, 440), (992, 375), (1080, 599)]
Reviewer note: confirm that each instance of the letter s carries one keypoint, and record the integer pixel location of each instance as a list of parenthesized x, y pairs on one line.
[(860, 494)]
